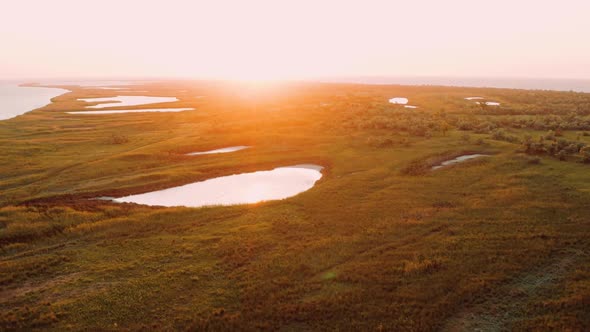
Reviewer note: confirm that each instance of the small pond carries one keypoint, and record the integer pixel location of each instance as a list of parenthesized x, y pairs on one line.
[(458, 160), (399, 100), (222, 150)]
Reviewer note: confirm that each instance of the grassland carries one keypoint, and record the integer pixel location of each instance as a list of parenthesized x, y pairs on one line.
[(379, 243)]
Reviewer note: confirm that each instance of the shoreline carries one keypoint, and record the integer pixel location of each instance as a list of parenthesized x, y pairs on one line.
[(22, 104)]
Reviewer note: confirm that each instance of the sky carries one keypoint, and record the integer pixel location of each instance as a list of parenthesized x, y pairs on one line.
[(259, 39)]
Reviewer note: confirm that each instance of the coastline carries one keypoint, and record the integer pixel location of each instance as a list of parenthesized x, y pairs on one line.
[(15, 102)]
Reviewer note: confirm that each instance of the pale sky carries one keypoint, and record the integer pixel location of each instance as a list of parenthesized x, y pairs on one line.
[(258, 39)]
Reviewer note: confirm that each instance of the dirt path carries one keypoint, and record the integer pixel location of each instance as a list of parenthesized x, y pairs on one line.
[(503, 308)]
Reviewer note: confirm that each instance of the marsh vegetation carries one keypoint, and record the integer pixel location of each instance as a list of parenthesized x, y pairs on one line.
[(379, 242)]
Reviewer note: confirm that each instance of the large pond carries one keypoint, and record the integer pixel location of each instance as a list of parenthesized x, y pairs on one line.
[(120, 101), (245, 188), (16, 100)]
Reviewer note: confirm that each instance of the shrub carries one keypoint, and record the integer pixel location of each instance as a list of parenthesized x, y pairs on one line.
[(573, 148), (464, 125), (537, 148), (550, 135), (585, 154), (416, 167), (534, 160), (444, 127), (419, 130), (118, 139), (379, 142), (500, 135)]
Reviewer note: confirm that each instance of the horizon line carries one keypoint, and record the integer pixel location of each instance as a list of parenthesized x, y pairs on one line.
[(315, 78)]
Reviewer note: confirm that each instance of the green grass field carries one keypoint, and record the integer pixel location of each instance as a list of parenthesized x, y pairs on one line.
[(381, 242)]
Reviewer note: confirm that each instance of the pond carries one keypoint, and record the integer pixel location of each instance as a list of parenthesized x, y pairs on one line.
[(120, 101), (458, 160), (399, 100), (245, 188), (147, 110), (222, 150), (489, 103)]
